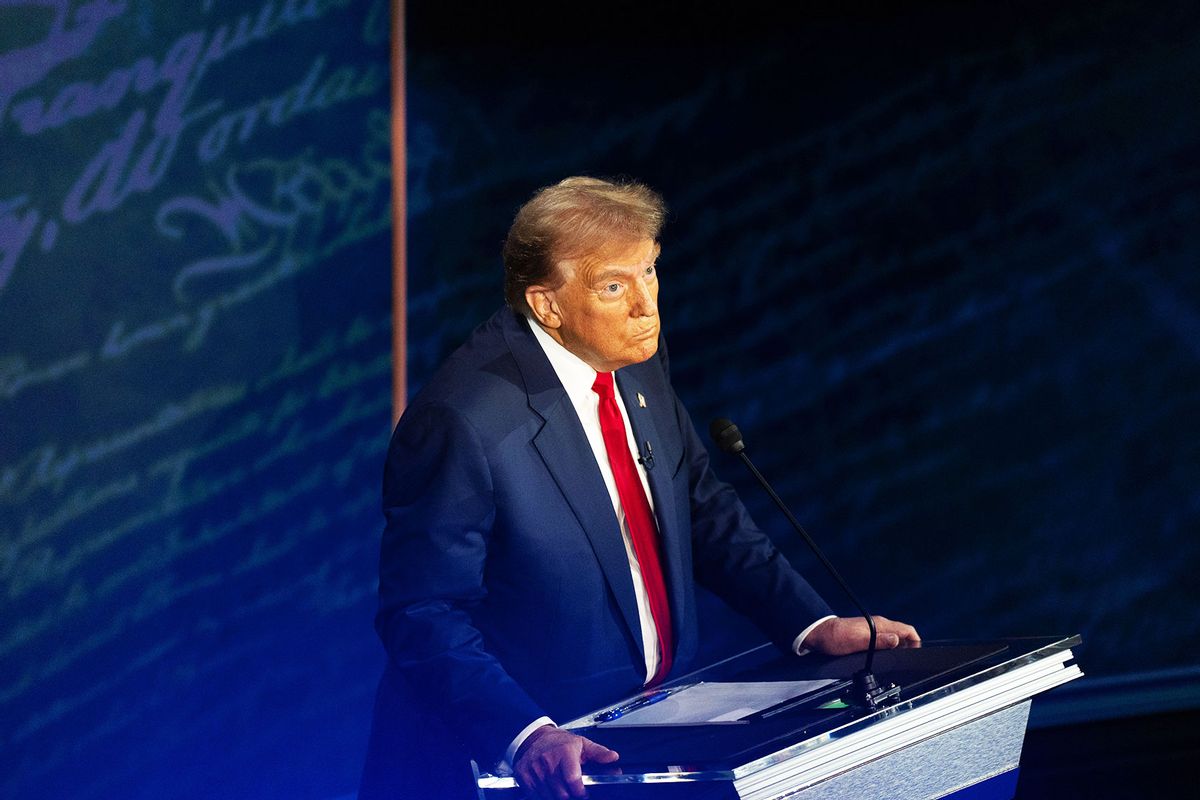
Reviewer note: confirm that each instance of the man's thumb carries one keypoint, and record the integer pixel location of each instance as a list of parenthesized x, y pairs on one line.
[(598, 752)]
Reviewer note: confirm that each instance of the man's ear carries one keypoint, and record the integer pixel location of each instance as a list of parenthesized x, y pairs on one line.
[(542, 303)]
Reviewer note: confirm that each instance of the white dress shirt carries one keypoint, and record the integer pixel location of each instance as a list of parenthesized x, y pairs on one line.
[(577, 378)]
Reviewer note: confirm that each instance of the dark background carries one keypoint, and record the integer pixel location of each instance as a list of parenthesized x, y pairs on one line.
[(937, 262)]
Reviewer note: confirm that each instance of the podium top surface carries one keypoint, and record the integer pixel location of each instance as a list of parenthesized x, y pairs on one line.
[(942, 683)]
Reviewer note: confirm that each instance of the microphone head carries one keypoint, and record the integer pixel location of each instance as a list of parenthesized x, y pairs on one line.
[(726, 435)]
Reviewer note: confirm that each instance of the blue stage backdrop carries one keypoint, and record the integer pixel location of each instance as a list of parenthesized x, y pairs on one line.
[(194, 394), (939, 263)]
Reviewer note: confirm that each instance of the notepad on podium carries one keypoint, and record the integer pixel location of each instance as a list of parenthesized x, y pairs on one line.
[(706, 703)]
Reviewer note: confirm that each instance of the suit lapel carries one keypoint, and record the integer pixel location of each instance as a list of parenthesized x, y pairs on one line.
[(639, 404), (566, 452)]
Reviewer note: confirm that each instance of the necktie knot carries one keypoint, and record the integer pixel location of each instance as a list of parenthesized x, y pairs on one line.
[(603, 385)]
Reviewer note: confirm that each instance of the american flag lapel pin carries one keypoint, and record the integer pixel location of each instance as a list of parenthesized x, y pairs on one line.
[(641, 400)]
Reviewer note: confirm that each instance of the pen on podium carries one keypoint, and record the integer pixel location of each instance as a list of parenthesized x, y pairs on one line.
[(633, 705)]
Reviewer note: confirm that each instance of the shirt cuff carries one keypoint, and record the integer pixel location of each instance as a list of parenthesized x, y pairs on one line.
[(511, 752), (799, 640)]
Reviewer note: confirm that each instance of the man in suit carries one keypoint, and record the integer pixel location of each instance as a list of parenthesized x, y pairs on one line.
[(549, 507)]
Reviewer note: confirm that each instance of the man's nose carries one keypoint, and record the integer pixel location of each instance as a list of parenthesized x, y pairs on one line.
[(643, 300)]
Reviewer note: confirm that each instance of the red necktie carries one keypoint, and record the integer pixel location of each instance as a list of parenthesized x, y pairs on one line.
[(638, 515)]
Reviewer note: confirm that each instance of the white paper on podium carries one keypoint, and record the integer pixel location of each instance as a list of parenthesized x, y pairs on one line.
[(708, 703)]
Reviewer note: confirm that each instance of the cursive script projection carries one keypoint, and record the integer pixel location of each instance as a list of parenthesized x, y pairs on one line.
[(137, 158), (194, 387), (317, 91), (301, 206), (277, 218), (35, 557)]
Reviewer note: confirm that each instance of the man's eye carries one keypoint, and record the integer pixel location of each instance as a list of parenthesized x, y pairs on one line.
[(612, 288), (650, 270)]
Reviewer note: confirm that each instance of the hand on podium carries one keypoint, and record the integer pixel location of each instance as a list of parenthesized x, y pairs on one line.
[(844, 635), (550, 762)]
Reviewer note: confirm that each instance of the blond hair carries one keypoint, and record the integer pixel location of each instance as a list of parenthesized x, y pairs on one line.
[(575, 218)]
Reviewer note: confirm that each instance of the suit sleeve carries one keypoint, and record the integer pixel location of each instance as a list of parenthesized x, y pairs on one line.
[(438, 506)]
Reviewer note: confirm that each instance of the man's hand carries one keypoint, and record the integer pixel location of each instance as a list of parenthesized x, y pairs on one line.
[(843, 635), (550, 762)]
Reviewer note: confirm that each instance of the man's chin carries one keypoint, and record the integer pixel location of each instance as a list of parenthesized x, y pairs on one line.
[(648, 349), (638, 350)]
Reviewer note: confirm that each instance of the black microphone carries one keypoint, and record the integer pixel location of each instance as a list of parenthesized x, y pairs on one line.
[(866, 690), (646, 459)]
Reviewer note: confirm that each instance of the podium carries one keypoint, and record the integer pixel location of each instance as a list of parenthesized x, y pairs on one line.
[(955, 730)]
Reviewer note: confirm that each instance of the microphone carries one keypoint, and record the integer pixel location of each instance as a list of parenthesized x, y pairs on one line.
[(646, 459), (866, 691)]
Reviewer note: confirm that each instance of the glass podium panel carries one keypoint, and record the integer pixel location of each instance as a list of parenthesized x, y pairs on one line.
[(943, 685)]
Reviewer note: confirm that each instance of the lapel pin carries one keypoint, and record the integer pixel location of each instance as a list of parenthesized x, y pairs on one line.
[(641, 400)]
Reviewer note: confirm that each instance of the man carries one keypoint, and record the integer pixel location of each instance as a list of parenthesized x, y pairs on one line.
[(549, 505)]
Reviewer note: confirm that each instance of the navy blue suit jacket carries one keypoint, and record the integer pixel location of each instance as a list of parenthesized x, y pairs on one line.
[(505, 591)]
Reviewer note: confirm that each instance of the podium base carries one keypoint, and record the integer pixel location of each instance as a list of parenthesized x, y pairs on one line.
[(948, 765)]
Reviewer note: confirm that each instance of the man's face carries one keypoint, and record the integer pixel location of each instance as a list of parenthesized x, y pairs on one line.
[(606, 310)]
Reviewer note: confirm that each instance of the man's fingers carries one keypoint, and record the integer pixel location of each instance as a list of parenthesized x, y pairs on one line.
[(540, 778), (572, 774), (598, 753), (844, 635), (905, 634), (550, 784), (543, 779), (550, 763)]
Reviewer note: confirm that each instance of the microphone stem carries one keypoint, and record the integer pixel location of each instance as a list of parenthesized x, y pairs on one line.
[(813, 546)]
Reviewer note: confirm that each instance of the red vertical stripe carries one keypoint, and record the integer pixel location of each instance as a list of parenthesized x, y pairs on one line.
[(399, 228)]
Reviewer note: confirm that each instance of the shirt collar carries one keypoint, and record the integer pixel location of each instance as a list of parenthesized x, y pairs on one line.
[(575, 374)]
